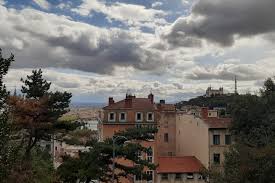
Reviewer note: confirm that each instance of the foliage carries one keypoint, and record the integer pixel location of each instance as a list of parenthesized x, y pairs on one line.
[(7, 149), (252, 158), (96, 164), (214, 101), (36, 114), (37, 170)]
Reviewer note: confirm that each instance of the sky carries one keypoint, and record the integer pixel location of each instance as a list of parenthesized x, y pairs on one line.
[(172, 48)]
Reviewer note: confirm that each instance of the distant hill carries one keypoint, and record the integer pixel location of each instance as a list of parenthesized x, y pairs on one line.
[(215, 101), (87, 105)]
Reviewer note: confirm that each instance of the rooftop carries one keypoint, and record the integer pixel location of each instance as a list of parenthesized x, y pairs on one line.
[(179, 164)]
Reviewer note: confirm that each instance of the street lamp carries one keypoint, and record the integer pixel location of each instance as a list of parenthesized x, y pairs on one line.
[(114, 138)]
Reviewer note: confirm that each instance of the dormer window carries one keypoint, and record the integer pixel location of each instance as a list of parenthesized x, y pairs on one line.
[(139, 116), (122, 117), (150, 116), (111, 117)]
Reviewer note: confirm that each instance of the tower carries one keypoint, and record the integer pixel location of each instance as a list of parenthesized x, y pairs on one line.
[(236, 86)]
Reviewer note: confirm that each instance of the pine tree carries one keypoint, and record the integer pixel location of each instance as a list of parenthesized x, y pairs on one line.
[(6, 149), (96, 164), (36, 114)]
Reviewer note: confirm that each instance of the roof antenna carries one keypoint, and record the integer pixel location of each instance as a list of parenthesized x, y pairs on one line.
[(236, 86)]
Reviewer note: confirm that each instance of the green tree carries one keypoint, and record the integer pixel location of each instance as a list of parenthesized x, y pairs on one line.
[(6, 148), (252, 158), (96, 164), (37, 113)]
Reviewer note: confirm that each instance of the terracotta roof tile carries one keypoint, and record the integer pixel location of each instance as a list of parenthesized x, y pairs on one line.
[(218, 122), (137, 103), (175, 164)]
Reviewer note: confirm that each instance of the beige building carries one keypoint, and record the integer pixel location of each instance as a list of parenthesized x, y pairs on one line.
[(206, 137)]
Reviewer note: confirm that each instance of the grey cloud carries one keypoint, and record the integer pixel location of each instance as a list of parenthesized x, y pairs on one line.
[(244, 72), (220, 21), (67, 84), (49, 40)]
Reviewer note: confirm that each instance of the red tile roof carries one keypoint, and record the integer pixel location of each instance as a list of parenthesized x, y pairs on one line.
[(176, 164), (218, 122), (137, 103)]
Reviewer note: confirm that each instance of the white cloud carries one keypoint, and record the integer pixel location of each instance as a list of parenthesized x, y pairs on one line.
[(44, 4), (2, 2), (130, 14), (157, 4)]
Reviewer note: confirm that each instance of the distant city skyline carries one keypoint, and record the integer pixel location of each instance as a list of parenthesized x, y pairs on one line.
[(176, 49)]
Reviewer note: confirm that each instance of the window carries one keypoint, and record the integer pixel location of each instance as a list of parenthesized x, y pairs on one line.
[(166, 138), (178, 176), (48, 147), (190, 176), (150, 116), (216, 139), (216, 158), (150, 155), (112, 117), (149, 176), (138, 116), (170, 153), (164, 176), (139, 154), (138, 177), (227, 139), (122, 117)]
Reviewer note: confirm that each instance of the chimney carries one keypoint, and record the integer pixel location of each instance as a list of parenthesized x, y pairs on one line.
[(204, 112), (162, 101), (151, 97), (128, 101), (111, 100)]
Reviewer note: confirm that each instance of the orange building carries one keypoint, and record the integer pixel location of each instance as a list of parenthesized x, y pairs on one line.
[(141, 112)]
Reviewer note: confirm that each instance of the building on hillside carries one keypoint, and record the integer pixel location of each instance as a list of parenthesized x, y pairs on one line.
[(179, 170), (135, 112), (206, 137), (210, 92), (61, 149)]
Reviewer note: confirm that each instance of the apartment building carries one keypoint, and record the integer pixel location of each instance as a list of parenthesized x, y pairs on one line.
[(142, 112), (206, 137)]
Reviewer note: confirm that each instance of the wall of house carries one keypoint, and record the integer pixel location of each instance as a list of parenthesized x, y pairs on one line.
[(220, 149), (172, 179), (167, 124), (192, 138)]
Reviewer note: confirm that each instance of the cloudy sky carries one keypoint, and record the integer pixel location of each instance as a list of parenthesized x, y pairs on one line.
[(174, 48)]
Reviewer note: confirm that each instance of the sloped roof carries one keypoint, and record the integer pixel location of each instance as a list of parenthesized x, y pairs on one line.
[(137, 103), (179, 164), (218, 122)]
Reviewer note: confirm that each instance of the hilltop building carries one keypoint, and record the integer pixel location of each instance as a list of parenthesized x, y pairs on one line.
[(210, 92)]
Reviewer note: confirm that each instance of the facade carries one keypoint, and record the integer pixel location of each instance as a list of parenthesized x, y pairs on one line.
[(179, 169), (212, 92), (208, 136), (62, 149), (142, 112)]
